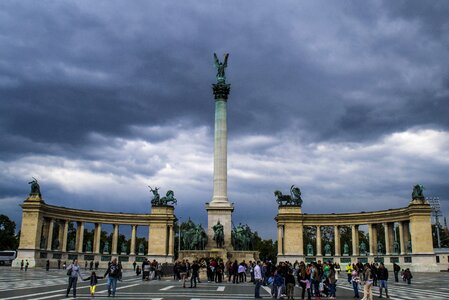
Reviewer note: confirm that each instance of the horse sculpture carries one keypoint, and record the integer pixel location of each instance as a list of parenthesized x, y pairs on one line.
[(293, 199), (158, 201), (418, 192)]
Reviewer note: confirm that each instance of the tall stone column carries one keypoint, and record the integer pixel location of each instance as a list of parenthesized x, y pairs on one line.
[(97, 238), (132, 251), (337, 240), (355, 240), (50, 234), (406, 229), (318, 241), (372, 230), (65, 235), (115, 239), (281, 239), (149, 240), (401, 238), (389, 238), (220, 209), (80, 237), (171, 241)]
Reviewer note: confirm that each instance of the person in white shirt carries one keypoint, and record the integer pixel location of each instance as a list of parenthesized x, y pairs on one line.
[(258, 279)]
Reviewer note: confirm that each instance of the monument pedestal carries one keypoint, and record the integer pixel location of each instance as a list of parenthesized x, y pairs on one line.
[(223, 214)]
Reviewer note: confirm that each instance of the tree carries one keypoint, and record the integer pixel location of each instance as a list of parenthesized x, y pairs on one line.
[(268, 249), (8, 239)]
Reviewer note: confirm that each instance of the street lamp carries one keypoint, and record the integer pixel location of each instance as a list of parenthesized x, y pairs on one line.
[(436, 212)]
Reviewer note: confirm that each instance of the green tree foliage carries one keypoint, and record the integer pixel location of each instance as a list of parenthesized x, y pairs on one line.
[(8, 239), (268, 249)]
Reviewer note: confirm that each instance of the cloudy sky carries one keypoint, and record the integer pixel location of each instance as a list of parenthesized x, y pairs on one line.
[(349, 100)]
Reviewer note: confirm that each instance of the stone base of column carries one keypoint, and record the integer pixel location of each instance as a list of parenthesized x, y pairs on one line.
[(222, 213), (30, 255)]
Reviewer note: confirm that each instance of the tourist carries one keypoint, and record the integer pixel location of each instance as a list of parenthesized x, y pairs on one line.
[(85, 265), (302, 276), (183, 272), (195, 274), (134, 265), (21, 265), (396, 270), (251, 270), (59, 264), (93, 282), (355, 279), (27, 264), (349, 270), (138, 271), (47, 265), (315, 280), (114, 273), (219, 272), (91, 265), (332, 281), (64, 266), (290, 283), (241, 269), (235, 272), (97, 264), (278, 283), (382, 275), (408, 276), (257, 279), (367, 288), (73, 273), (306, 282), (145, 269)]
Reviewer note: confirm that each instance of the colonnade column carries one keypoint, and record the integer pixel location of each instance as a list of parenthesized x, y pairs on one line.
[(407, 237), (372, 232), (149, 240), (61, 234), (115, 239), (401, 238), (132, 251), (355, 240), (171, 241), (50, 234), (389, 238), (337, 240), (281, 239), (318, 241), (79, 236), (64, 235), (97, 238)]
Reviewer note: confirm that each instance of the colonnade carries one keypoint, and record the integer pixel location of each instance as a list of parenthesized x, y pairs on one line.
[(407, 236), (38, 233)]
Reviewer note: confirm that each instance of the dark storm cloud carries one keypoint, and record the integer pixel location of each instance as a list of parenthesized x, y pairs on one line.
[(118, 93)]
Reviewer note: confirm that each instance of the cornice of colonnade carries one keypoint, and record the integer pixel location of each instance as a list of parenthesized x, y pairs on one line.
[(294, 215), (159, 215)]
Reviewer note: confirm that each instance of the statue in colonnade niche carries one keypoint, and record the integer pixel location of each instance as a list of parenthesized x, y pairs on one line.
[(141, 248), (379, 248), (345, 249), (56, 244), (327, 249), (106, 247), (89, 246), (43, 242), (396, 247), (71, 245), (409, 246), (309, 249), (362, 248), (124, 248)]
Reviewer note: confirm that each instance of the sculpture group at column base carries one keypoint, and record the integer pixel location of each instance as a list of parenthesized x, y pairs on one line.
[(219, 253)]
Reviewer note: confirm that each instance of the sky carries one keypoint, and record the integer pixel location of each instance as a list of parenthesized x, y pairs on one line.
[(348, 100)]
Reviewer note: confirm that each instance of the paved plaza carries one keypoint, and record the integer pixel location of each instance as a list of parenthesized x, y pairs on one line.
[(39, 284)]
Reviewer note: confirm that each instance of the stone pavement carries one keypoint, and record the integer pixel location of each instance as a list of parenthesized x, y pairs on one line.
[(39, 284)]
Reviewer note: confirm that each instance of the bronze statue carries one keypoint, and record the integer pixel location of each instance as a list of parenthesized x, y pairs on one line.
[(218, 234), (243, 238), (327, 249), (309, 249), (89, 246), (293, 199), (35, 188), (346, 249), (106, 247), (221, 66), (418, 190), (379, 248), (362, 248), (141, 248), (158, 201)]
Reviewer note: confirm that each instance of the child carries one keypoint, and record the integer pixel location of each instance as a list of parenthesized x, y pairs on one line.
[(93, 282), (408, 276)]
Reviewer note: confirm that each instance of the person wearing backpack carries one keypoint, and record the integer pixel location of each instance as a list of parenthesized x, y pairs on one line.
[(114, 273), (73, 271)]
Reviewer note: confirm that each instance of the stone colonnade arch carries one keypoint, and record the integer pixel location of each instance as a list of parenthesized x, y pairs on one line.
[(414, 248), (38, 230)]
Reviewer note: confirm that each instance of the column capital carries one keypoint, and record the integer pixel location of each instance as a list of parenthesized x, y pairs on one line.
[(221, 90)]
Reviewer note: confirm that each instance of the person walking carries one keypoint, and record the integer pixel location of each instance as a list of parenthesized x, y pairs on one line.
[(73, 271), (355, 279), (367, 287), (408, 276), (47, 265), (93, 282), (114, 273), (27, 264), (396, 270), (382, 276), (195, 274), (21, 265), (332, 278), (257, 279)]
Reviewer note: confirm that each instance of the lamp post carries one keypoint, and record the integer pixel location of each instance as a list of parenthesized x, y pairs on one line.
[(436, 212)]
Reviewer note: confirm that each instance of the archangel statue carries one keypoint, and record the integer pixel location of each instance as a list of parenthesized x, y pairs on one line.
[(221, 66)]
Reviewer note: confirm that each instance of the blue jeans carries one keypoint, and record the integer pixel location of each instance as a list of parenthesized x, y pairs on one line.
[(112, 285), (332, 289), (257, 288), (355, 286)]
